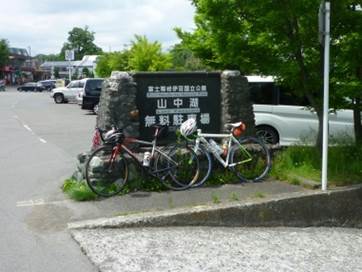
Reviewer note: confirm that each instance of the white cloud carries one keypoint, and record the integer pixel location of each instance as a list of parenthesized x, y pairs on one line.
[(44, 24)]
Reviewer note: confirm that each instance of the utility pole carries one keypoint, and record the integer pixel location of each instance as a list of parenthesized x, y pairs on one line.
[(69, 56), (324, 34)]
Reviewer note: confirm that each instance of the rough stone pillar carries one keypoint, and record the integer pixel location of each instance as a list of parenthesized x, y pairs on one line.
[(117, 101), (235, 101)]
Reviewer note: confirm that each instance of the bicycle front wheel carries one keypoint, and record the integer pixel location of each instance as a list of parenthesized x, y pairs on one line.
[(250, 160), (106, 174), (180, 167)]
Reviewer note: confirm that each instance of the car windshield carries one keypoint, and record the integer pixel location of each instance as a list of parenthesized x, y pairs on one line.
[(73, 84)]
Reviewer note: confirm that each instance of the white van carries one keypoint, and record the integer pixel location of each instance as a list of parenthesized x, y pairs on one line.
[(282, 118)]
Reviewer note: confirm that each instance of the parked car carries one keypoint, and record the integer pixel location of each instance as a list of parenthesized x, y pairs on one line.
[(91, 93), (68, 93), (79, 98), (285, 119), (31, 86), (48, 84)]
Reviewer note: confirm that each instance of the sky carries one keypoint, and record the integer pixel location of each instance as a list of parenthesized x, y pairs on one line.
[(42, 26)]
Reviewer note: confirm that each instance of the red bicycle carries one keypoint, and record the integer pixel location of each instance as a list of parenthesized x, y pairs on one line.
[(107, 169)]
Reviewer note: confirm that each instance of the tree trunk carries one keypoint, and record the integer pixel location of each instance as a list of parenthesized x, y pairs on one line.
[(357, 121), (357, 113), (319, 142)]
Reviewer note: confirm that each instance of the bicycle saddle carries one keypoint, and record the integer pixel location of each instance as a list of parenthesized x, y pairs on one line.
[(160, 130), (233, 125)]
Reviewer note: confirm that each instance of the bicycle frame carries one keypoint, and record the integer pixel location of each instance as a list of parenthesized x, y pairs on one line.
[(201, 138), (119, 147)]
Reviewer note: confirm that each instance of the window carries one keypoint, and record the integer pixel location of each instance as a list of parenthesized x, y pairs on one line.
[(287, 97), (262, 92), (93, 87)]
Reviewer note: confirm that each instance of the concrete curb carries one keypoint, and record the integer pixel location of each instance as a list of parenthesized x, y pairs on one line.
[(339, 207)]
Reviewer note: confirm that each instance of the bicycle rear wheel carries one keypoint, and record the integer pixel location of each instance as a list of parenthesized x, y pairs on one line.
[(205, 164), (106, 176), (180, 167), (251, 160)]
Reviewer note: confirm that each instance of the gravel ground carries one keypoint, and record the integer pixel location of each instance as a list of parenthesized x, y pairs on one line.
[(223, 249)]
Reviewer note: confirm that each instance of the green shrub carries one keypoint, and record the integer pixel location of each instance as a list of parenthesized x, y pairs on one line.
[(344, 164), (78, 190)]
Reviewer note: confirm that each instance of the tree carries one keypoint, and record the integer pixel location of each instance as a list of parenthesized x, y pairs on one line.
[(85, 72), (147, 56), (183, 59), (82, 41), (349, 71), (142, 56), (56, 72), (50, 57), (4, 52), (115, 61), (277, 38)]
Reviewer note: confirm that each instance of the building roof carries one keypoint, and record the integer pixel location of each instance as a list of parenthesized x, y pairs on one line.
[(87, 61), (49, 64), (18, 51)]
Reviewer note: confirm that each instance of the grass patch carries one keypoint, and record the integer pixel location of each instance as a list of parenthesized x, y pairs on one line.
[(215, 198), (222, 176), (234, 197), (259, 195), (78, 190), (344, 164)]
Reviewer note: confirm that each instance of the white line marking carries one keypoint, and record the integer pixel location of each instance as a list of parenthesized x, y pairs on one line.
[(28, 128), (38, 202), (42, 140)]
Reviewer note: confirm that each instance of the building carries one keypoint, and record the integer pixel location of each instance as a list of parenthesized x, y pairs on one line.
[(20, 67), (51, 68)]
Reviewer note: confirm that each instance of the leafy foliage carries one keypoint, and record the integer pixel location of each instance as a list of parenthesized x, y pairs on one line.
[(82, 41), (78, 190), (183, 59), (115, 61), (278, 38), (4, 52), (142, 56), (50, 57), (147, 56)]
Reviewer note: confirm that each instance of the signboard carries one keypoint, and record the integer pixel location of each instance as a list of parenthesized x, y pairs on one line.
[(172, 98), (69, 55)]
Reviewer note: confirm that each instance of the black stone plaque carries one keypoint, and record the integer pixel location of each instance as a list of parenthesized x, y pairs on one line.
[(170, 98)]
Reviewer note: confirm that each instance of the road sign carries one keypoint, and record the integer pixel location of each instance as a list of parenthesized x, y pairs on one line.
[(69, 55)]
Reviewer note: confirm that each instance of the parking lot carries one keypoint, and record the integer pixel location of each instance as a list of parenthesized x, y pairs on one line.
[(39, 141)]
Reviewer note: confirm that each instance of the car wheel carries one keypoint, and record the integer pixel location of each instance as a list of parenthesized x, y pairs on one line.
[(58, 98), (268, 134)]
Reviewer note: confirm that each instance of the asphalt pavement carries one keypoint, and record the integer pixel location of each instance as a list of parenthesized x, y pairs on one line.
[(37, 150), (39, 141)]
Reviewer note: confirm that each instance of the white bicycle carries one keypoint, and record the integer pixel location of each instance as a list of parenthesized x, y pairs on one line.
[(248, 157)]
